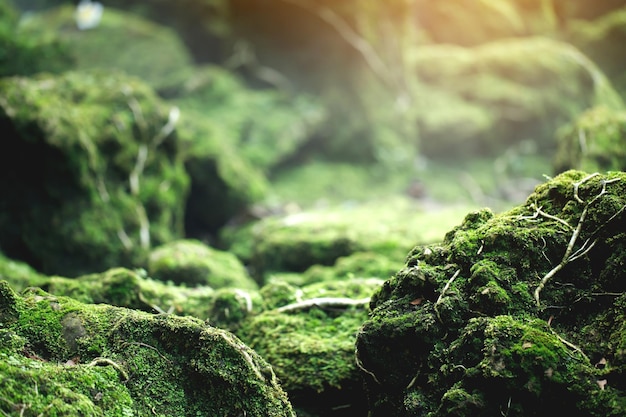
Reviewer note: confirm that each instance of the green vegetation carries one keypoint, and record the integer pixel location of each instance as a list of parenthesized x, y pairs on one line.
[(490, 320)]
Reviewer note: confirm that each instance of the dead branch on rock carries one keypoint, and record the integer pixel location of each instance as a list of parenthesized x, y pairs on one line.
[(570, 255)]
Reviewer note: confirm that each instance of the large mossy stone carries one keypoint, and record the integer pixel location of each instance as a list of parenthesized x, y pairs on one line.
[(511, 312), (485, 99), (92, 177), (595, 141), (78, 359)]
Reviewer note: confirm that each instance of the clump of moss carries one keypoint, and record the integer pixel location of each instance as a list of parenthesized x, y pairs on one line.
[(103, 360), (595, 141), (509, 313), (191, 262), (95, 178)]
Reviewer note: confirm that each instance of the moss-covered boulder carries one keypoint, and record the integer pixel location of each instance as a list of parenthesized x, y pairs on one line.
[(308, 335), (484, 99), (92, 177), (595, 141), (27, 54), (78, 359), (192, 263), (121, 41), (510, 313), (295, 242)]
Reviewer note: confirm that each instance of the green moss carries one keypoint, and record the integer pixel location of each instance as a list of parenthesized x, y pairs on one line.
[(511, 311), (81, 190), (192, 263), (125, 362)]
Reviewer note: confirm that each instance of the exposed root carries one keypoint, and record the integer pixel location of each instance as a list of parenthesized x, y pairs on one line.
[(109, 362), (443, 292), (359, 364)]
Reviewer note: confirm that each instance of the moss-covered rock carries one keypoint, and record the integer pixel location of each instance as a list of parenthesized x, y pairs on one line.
[(93, 179), (595, 141), (510, 313), (191, 262), (484, 99), (308, 334), (121, 41), (83, 359)]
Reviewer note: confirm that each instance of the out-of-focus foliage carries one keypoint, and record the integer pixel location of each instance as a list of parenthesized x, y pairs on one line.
[(27, 55)]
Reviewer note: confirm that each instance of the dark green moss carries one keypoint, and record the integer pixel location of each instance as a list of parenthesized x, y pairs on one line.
[(510, 313)]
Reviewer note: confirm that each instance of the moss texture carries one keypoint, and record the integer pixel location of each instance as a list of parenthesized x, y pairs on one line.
[(595, 141), (93, 179), (512, 313), (59, 354), (191, 262)]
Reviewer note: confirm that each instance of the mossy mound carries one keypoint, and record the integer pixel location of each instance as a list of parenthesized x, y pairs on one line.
[(294, 242), (121, 41), (100, 360), (191, 262), (595, 141), (308, 334), (510, 313), (20, 275), (484, 99), (93, 178)]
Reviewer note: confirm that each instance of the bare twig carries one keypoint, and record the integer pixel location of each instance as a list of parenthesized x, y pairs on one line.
[(445, 288)]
